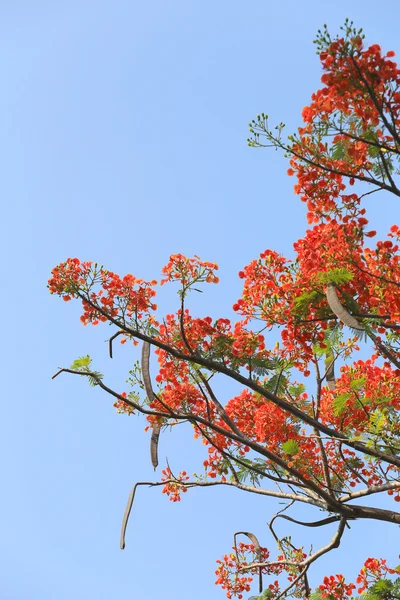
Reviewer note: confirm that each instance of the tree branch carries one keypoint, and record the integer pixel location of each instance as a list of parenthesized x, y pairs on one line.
[(283, 404)]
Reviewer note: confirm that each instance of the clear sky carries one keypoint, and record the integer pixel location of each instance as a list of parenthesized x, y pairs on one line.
[(123, 128)]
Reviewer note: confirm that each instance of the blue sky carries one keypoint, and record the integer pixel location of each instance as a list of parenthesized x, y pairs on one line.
[(123, 128)]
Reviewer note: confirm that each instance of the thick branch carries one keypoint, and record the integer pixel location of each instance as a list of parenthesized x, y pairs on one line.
[(373, 489)]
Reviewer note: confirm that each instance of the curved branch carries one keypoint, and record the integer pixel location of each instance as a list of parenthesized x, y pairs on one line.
[(334, 543), (319, 523), (188, 484)]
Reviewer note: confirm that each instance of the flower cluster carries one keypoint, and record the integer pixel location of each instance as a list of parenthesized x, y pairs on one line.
[(350, 126), (118, 297), (335, 586), (174, 488), (189, 270), (229, 576), (374, 569)]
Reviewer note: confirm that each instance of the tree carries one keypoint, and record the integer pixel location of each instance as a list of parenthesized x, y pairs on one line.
[(329, 443)]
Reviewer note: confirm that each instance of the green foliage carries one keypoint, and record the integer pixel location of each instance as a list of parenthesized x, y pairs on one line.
[(267, 593), (135, 397), (296, 390), (336, 276), (317, 595), (135, 379), (357, 384), (290, 447), (338, 151), (94, 378), (332, 336), (379, 169), (245, 470), (302, 303), (339, 403), (277, 384), (384, 589), (82, 365), (262, 366), (362, 335), (377, 421), (373, 151)]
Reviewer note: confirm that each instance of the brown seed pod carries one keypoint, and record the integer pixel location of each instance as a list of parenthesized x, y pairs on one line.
[(338, 309), (126, 516), (257, 549), (330, 371), (150, 395)]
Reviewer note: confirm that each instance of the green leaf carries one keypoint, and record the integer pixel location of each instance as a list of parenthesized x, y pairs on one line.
[(302, 302), (276, 384), (318, 351), (338, 151), (290, 447), (332, 336), (339, 403), (264, 596), (82, 362), (380, 590), (336, 276), (370, 135), (377, 421), (357, 384), (94, 377), (297, 390), (373, 151)]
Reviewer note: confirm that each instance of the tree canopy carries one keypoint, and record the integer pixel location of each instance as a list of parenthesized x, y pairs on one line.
[(314, 423)]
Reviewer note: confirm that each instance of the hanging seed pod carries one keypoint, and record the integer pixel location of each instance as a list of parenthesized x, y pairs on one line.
[(126, 516), (150, 395), (146, 371), (330, 371), (257, 549), (154, 446), (338, 309)]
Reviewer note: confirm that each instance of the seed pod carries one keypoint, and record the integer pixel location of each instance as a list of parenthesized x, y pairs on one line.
[(146, 371), (330, 371), (338, 309), (126, 516), (257, 549), (154, 446), (150, 395)]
